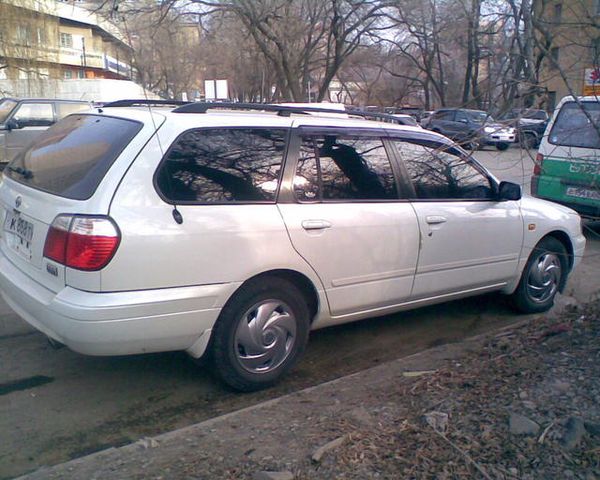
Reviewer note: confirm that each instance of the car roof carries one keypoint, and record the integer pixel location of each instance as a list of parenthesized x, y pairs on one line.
[(64, 100)]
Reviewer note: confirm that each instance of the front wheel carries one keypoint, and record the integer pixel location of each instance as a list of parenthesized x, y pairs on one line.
[(260, 334), (502, 146), (542, 277)]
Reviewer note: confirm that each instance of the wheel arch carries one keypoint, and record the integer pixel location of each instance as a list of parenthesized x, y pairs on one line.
[(301, 281), (563, 238)]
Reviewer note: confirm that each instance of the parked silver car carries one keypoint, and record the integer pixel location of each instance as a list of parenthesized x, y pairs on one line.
[(23, 119)]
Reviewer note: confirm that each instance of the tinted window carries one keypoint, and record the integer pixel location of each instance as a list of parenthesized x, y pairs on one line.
[(72, 157), (438, 174), (575, 127), (34, 115), (6, 107), (223, 165), (344, 168), (449, 116)]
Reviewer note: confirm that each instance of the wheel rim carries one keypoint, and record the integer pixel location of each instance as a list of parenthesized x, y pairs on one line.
[(265, 336), (544, 277)]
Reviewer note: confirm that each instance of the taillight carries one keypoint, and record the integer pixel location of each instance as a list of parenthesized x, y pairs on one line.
[(82, 242), (537, 168)]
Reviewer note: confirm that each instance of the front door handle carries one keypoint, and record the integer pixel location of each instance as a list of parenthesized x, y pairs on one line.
[(315, 224), (435, 219)]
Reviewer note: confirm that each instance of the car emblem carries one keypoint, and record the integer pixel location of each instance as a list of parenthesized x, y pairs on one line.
[(18, 201)]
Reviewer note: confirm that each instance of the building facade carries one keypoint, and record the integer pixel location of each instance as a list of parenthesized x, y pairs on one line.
[(572, 57), (43, 42)]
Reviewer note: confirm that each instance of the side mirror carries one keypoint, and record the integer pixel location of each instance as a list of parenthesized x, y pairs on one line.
[(12, 125), (509, 191)]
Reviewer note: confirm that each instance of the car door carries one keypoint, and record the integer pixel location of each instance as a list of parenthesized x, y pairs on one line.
[(30, 119), (346, 219), (469, 240)]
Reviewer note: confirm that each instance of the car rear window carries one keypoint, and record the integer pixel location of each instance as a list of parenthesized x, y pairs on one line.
[(577, 127), (71, 158)]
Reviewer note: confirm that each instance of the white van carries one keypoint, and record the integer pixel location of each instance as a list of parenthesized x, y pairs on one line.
[(568, 160)]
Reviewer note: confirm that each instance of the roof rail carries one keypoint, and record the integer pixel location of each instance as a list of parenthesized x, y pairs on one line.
[(140, 102), (282, 110)]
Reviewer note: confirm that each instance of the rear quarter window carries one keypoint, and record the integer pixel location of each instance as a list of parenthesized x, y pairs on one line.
[(223, 165), (71, 158)]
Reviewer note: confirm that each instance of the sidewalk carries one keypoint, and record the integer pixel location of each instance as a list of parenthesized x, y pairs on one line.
[(520, 403)]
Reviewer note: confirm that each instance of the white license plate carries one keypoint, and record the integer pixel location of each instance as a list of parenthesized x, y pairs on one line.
[(579, 192), (20, 233)]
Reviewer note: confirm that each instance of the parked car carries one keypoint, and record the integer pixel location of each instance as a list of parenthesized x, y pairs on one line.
[(529, 123), (568, 161), (21, 120), (471, 128), (230, 231)]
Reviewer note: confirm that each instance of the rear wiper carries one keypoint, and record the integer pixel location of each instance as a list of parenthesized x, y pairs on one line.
[(27, 174)]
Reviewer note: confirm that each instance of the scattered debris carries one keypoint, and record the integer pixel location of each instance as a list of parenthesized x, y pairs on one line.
[(521, 425), (147, 442), (318, 455), (273, 476), (438, 421), (574, 433), (417, 373)]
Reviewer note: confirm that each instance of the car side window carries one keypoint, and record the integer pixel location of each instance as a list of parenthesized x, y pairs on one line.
[(440, 174), (222, 165), (446, 116), (34, 115), (461, 117), (336, 167), (64, 109)]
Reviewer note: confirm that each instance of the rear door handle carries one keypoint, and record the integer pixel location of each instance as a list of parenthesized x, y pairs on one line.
[(435, 219), (315, 224)]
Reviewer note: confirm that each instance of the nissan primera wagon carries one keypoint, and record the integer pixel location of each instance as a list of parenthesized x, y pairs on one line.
[(230, 231)]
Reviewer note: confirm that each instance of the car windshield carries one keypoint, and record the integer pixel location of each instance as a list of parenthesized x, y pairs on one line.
[(6, 106), (479, 117)]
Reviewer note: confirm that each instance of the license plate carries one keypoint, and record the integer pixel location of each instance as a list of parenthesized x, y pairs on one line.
[(579, 192), (20, 233)]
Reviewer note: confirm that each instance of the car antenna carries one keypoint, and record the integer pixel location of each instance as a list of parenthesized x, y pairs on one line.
[(176, 213)]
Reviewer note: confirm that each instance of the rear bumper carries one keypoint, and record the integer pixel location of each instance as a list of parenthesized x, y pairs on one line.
[(117, 323)]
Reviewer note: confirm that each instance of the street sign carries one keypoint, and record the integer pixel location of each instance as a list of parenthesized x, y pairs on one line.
[(591, 81)]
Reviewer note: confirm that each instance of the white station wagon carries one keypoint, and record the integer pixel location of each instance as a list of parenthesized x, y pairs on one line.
[(231, 230)]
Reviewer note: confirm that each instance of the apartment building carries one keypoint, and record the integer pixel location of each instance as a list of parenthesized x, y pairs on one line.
[(573, 57), (43, 42)]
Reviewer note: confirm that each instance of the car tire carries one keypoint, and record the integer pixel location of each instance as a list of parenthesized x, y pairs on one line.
[(502, 146), (260, 334), (542, 277), (528, 140)]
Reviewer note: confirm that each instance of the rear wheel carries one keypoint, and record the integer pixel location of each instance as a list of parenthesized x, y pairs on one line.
[(542, 277), (502, 146), (260, 334), (528, 140)]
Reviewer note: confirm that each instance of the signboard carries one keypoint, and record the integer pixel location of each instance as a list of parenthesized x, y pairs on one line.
[(216, 90), (591, 81)]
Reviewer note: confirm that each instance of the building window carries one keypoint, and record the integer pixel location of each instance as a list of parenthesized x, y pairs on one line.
[(554, 55), (66, 40), (557, 12), (23, 35), (67, 74), (80, 74), (596, 52)]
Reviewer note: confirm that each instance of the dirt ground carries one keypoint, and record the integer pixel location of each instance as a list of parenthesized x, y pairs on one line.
[(519, 404)]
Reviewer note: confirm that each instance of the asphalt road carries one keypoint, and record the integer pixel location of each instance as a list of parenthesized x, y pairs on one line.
[(56, 405)]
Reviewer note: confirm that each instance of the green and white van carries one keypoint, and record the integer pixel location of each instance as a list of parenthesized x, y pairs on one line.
[(567, 167)]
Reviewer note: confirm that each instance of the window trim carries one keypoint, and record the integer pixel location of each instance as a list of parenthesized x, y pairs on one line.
[(313, 131), (163, 160)]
